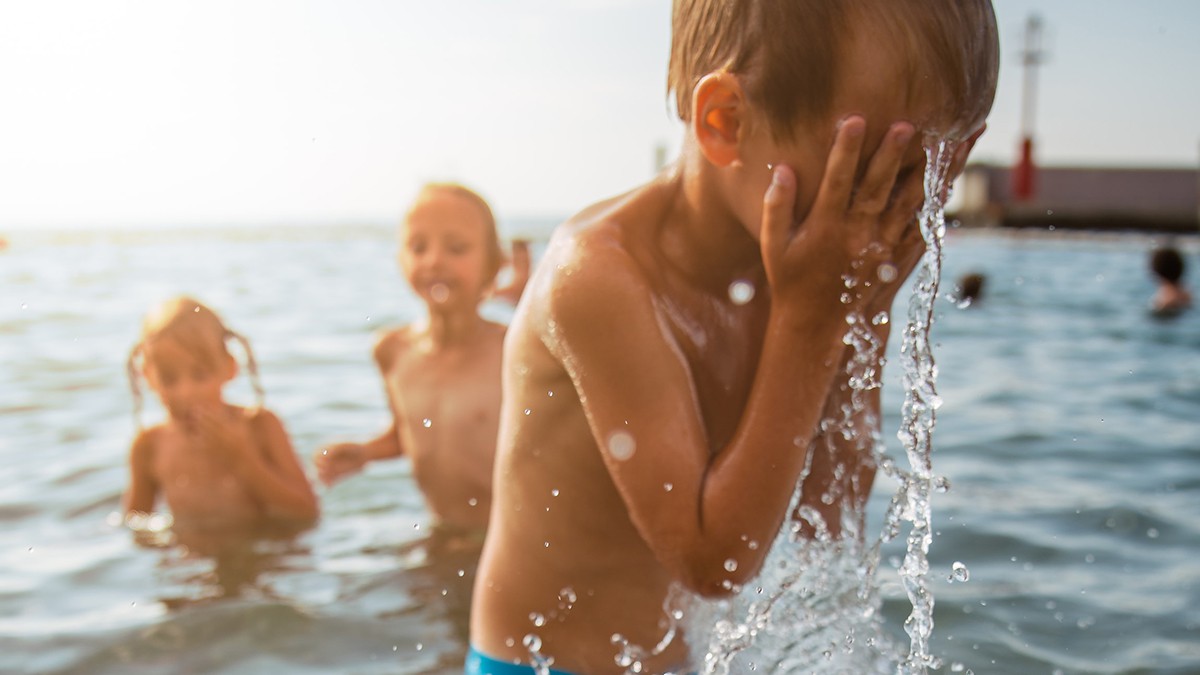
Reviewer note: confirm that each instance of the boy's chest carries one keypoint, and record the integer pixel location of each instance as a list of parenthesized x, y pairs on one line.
[(721, 344), (454, 399)]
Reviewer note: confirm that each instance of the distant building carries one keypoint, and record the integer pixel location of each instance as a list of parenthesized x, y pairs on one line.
[(1083, 198)]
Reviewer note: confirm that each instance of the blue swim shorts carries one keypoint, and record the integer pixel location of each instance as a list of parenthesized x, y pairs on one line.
[(481, 664)]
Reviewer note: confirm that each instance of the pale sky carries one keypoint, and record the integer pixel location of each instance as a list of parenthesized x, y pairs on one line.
[(161, 112)]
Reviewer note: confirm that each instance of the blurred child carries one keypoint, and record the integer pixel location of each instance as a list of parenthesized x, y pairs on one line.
[(442, 373), (215, 465), (1171, 297), (665, 376)]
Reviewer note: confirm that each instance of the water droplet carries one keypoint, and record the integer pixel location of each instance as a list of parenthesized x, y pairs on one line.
[(567, 595), (668, 486), (959, 572), (753, 545), (880, 319), (536, 619), (621, 445), (846, 299), (532, 642), (554, 492), (527, 411), (24, 305), (550, 393), (545, 544), (426, 422), (741, 292), (941, 484), (473, 502), (730, 565), (1152, 533), (462, 573), (419, 646), (887, 272)]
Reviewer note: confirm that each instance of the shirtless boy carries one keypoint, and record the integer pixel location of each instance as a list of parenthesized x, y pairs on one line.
[(442, 373), (655, 424)]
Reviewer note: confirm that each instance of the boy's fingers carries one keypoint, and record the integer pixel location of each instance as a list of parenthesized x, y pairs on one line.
[(838, 182), (778, 203), (875, 188), (903, 211)]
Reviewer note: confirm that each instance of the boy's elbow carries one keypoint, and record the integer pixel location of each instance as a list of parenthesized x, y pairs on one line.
[(717, 579)]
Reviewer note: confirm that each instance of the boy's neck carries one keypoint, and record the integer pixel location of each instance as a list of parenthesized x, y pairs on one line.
[(702, 235), (448, 328)]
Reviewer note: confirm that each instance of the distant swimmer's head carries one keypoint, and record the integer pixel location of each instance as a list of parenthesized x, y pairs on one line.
[(1167, 263), (449, 246), (184, 356), (970, 287)]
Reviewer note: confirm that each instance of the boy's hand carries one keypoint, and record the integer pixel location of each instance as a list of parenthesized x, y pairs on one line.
[(856, 238), (335, 462)]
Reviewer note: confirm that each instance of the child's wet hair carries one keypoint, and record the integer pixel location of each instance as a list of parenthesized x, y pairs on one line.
[(788, 52), (199, 330), (495, 257)]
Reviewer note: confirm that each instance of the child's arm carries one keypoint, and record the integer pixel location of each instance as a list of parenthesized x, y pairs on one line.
[(142, 492), (339, 460), (260, 453), (521, 263), (710, 514)]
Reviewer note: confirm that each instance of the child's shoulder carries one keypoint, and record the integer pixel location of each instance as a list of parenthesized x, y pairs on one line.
[(390, 342), (595, 256), (146, 443)]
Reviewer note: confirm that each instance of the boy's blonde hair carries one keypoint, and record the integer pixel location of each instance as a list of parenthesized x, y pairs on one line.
[(787, 53), (495, 257), (198, 330)]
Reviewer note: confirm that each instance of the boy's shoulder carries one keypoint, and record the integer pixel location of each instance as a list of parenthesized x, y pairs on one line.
[(391, 342), (598, 257)]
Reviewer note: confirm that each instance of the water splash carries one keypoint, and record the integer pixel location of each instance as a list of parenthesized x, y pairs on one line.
[(912, 503), (816, 605)]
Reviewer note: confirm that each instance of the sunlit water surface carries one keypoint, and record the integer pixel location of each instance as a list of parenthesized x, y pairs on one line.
[(1067, 542)]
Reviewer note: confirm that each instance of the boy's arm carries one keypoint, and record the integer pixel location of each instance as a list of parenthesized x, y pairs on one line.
[(339, 460), (521, 264), (142, 492), (710, 514)]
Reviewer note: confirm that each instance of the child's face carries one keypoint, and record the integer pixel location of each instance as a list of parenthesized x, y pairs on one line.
[(443, 251), (183, 382), (872, 88)]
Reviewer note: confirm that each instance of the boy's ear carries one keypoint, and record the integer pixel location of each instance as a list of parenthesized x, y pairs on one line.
[(718, 115)]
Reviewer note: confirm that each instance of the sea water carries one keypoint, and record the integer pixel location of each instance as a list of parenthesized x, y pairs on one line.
[(1067, 432)]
